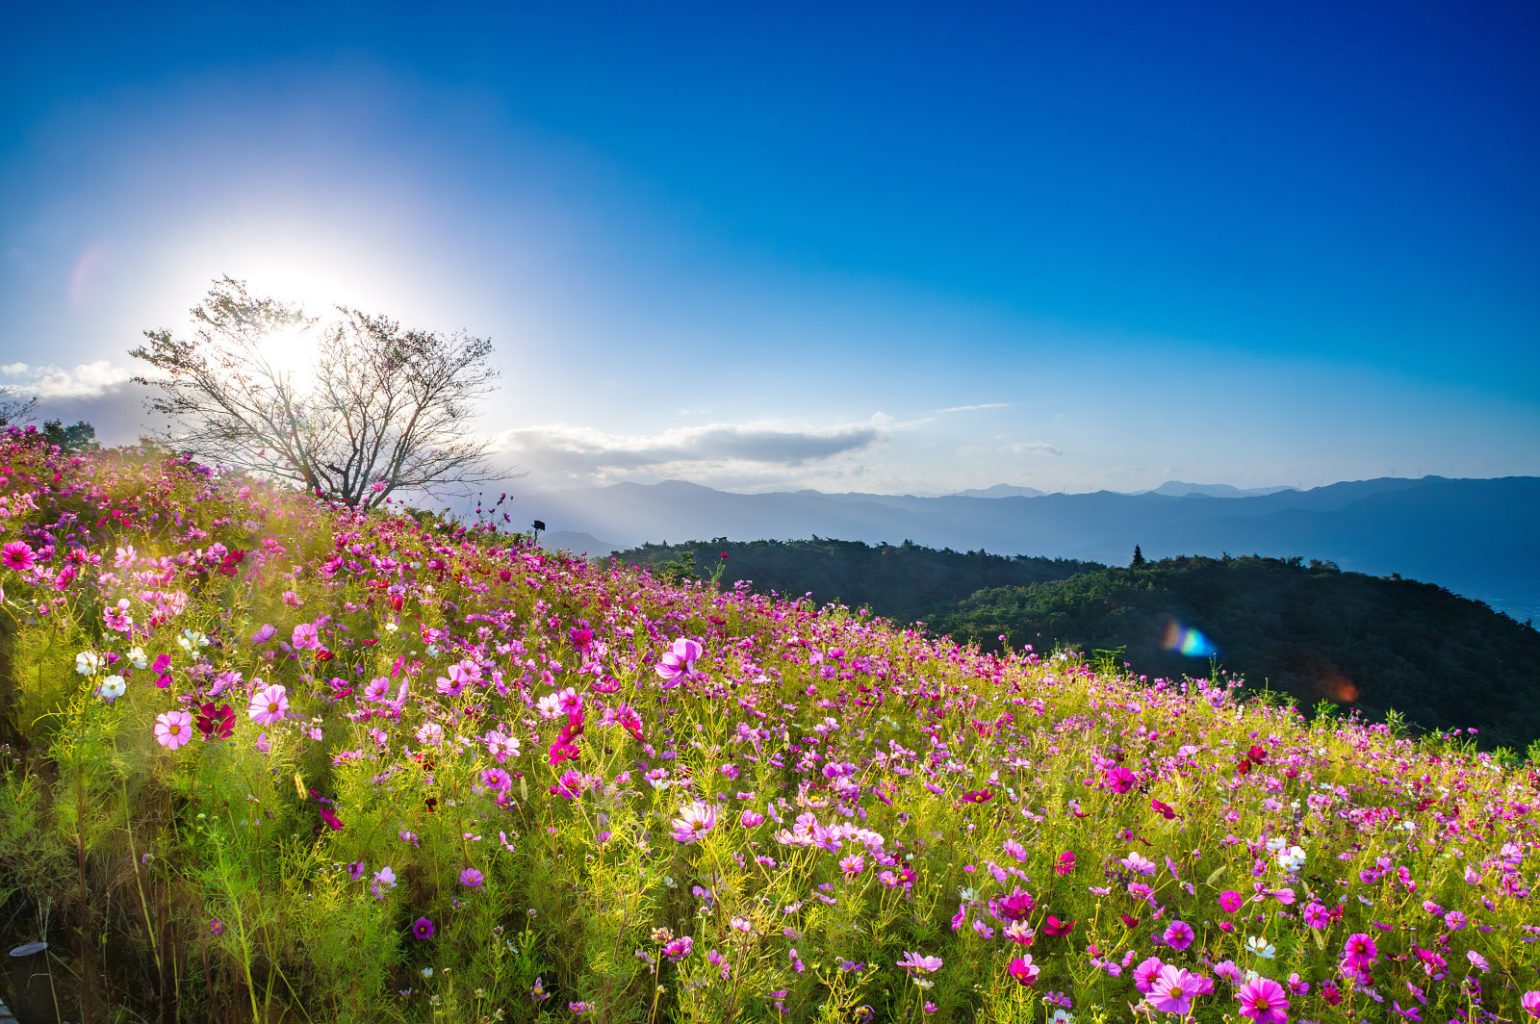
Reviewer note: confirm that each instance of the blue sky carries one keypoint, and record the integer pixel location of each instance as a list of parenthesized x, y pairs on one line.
[(886, 247)]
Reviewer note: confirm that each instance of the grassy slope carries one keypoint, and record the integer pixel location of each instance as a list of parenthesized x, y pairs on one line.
[(875, 793)]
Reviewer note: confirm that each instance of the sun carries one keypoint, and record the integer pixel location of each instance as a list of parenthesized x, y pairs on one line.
[(290, 356)]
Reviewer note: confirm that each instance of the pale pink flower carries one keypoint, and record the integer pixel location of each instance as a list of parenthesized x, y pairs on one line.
[(694, 821), (269, 704), (678, 660), (173, 729)]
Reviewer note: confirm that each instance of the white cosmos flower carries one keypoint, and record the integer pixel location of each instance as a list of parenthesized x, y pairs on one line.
[(112, 687), (1291, 859)]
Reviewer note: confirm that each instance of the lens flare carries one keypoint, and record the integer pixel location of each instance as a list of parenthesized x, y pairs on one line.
[(1188, 641)]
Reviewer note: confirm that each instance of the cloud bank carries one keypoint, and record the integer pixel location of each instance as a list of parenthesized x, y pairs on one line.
[(88, 380), (560, 454)]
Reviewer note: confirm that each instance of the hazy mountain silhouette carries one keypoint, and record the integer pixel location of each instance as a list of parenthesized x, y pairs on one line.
[(1180, 489), (1474, 537)]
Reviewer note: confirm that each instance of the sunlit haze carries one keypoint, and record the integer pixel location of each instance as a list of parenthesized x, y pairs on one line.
[(897, 249)]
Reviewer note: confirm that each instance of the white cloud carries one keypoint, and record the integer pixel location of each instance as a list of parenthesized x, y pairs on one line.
[(976, 408), (1033, 448), (560, 453), (88, 380)]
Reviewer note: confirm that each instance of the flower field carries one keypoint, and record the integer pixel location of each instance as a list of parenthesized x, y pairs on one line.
[(268, 760)]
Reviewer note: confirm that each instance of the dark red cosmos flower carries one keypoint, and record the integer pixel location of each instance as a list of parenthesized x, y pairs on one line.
[(216, 723), (323, 656), (1242, 766), (332, 821), (1257, 754), (1053, 926), (1164, 810)]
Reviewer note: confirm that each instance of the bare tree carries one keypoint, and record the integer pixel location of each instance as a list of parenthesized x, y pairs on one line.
[(14, 409), (381, 409)]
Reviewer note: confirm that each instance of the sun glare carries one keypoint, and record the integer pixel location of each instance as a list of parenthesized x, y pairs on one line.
[(291, 355)]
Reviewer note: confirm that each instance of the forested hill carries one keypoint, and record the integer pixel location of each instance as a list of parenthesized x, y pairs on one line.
[(1311, 631), (903, 582)]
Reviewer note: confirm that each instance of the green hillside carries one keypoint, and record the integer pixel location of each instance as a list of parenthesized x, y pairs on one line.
[(903, 582), (1311, 631)]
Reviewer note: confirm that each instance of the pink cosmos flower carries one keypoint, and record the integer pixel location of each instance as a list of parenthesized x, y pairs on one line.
[(305, 636), (1264, 1001), (1173, 989), (1531, 1003), (678, 660), (470, 878), (694, 821), (1146, 973), (1360, 949), (173, 729), (1316, 915), (18, 555), (1024, 970), (1118, 779), (678, 949), (1178, 935), (1230, 900), (269, 704), (1137, 863), (915, 964)]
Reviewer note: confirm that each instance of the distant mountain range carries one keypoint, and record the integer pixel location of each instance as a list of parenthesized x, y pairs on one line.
[(1476, 538)]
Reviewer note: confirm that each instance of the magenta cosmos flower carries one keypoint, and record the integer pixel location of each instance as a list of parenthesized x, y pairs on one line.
[(269, 704), (423, 928), (1359, 949), (173, 729), (678, 660), (1178, 935), (694, 821), (1264, 1001), (18, 555), (1024, 970), (470, 878)]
